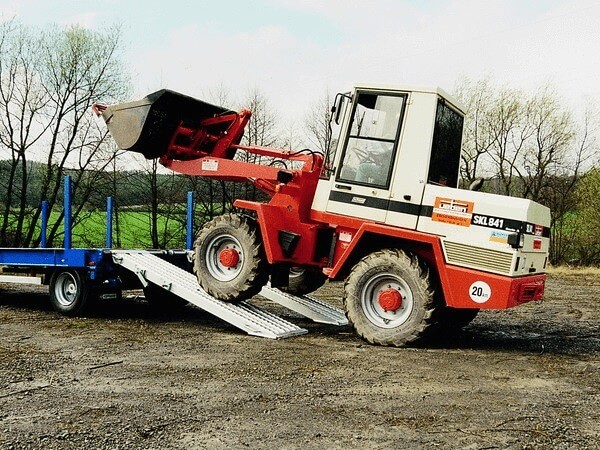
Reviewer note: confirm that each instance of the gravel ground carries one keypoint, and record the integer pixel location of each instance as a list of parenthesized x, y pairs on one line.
[(126, 377)]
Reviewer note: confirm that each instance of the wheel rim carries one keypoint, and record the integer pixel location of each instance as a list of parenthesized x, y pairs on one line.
[(224, 257), (296, 272), (66, 289), (380, 286)]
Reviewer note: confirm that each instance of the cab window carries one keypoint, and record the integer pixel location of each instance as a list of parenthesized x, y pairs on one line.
[(445, 149), (371, 143)]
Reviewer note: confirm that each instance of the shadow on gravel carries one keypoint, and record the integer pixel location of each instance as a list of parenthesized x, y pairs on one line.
[(126, 308), (546, 337), (526, 338)]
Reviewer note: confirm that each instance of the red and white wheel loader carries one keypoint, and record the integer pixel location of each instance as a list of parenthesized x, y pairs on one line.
[(383, 212)]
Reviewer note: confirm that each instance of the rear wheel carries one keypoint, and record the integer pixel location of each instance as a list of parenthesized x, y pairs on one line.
[(229, 259), (389, 299), (69, 294)]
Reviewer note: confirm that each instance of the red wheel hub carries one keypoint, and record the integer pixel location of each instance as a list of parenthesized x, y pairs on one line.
[(390, 299), (229, 257)]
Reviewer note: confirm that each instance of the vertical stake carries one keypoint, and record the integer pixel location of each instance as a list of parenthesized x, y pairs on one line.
[(68, 219), (109, 221), (190, 221), (43, 234)]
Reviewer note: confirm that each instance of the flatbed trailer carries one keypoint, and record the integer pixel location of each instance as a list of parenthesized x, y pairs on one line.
[(78, 276)]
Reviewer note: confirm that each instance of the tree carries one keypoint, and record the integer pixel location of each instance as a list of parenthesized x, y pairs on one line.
[(79, 67), (587, 231), (318, 124), (532, 146), (49, 80), (477, 136), (260, 131), (24, 104)]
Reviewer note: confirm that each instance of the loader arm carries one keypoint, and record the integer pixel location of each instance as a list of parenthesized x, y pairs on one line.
[(193, 137)]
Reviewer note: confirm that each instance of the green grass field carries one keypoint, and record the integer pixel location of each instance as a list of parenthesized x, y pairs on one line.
[(133, 230)]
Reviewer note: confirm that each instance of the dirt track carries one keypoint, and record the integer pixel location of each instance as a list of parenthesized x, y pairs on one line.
[(129, 378)]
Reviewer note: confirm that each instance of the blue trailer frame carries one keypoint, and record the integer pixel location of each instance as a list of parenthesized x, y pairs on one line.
[(94, 263)]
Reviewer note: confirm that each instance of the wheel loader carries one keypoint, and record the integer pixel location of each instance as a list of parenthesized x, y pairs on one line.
[(382, 212)]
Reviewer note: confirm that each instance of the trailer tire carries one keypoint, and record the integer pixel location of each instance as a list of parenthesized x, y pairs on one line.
[(229, 259), (304, 280), (70, 295), (389, 298)]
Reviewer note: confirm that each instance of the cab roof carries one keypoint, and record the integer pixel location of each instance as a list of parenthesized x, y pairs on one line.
[(413, 88)]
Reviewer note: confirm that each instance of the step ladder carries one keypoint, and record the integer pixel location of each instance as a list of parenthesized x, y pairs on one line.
[(150, 268)]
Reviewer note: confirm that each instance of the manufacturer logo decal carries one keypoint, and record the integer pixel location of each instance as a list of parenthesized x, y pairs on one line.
[(359, 200), (480, 292), (452, 211)]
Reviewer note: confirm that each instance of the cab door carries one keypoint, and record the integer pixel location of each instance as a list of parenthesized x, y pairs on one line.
[(364, 168)]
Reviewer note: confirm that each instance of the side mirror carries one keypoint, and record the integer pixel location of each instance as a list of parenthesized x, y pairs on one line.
[(338, 107)]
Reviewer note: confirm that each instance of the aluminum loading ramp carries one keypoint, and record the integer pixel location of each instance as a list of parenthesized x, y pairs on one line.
[(306, 305), (150, 268)]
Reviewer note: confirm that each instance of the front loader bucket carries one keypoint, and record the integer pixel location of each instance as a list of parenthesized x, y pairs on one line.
[(147, 125)]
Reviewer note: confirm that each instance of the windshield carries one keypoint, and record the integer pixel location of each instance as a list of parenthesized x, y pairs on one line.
[(372, 139)]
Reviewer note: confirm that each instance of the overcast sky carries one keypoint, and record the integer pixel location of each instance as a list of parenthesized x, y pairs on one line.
[(293, 50)]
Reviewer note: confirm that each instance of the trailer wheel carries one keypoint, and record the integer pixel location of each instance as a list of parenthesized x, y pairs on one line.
[(304, 280), (229, 259), (69, 294), (389, 299)]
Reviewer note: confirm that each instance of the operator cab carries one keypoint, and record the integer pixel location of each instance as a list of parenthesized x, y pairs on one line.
[(392, 142)]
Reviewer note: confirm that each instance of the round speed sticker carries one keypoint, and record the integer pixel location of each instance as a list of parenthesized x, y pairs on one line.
[(480, 292)]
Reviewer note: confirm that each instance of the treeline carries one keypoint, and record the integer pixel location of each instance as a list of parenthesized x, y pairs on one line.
[(49, 79), (525, 145), (530, 145)]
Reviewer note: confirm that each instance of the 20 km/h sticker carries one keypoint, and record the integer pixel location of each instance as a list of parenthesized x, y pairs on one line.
[(480, 292)]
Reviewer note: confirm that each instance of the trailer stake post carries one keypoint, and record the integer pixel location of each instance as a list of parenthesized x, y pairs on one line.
[(43, 233), (109, 221), (189, 235), (68, 219)]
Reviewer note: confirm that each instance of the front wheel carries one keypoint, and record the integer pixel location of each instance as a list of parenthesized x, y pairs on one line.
[(389, 299), (69, 294), (229, 259)]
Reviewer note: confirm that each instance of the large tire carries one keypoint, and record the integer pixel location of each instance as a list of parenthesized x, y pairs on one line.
[(304, 280), (389, 298), (229, 259), (70, 295)]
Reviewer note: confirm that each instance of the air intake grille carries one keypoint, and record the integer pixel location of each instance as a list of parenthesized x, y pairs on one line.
[(478, 258)]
